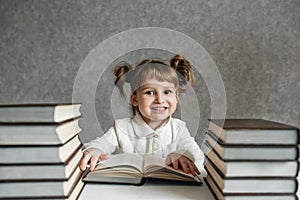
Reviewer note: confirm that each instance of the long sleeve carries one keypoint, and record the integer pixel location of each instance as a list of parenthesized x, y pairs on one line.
[(107, 143), (187, 145)]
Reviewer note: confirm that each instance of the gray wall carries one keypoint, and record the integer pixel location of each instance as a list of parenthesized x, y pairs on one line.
[(255, 44)]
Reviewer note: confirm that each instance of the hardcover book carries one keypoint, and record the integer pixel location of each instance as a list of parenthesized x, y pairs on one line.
[(38, 133), (36, 189), (250, 151), (223, 196), (39, 113), (39, 154), (29, 171), (238, 168), (253, 131), (252, 185)]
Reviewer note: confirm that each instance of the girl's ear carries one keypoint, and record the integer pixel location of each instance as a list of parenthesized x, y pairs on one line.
[(133, 99)]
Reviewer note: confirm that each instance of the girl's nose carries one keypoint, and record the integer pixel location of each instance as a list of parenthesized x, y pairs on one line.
[(160, 98)]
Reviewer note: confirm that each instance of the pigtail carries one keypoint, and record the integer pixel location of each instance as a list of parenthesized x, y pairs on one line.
[(122, 73), (183, 69)]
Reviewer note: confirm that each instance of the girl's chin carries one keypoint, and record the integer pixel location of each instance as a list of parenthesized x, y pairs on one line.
[(158, 118)]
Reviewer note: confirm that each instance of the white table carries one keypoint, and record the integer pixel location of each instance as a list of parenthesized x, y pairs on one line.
[(147, 191)]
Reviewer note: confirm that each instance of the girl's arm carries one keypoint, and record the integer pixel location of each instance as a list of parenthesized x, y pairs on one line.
[(188, 154), (98, 149), (187, 145), (106, 144)]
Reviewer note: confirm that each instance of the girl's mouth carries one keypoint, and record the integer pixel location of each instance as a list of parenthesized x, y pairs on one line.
[(159, 108)]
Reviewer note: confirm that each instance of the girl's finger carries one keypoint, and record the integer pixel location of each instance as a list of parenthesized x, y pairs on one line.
[(84, 161), (93, 162), (168, 160), (103, 157), (175, 164), (184, 167), (197, 170), (192, 168)]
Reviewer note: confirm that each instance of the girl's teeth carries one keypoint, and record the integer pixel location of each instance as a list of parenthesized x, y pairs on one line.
[(158, 108)]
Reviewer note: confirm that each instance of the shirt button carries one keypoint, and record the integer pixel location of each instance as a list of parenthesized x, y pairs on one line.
[(156, 135)]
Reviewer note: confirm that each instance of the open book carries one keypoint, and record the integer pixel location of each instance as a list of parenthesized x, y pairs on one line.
[(135, 169)]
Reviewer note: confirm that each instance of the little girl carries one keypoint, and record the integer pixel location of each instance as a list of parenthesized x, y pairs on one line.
[(155, 88)]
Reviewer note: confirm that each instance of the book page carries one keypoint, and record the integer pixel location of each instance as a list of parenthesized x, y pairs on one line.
[(153, 163), (156, 167), (150, 161), (122, 161)]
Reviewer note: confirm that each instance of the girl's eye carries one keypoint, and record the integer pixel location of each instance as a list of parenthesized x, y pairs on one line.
[(168, 92), (149, 92)]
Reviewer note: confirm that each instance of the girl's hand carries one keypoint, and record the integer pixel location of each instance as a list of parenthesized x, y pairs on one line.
[(178, 160), (91, 156)]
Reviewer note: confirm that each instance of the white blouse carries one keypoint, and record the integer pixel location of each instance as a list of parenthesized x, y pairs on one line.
[(133, 135)]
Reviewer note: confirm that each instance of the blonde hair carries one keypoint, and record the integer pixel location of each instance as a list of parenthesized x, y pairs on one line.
[(179, 72)]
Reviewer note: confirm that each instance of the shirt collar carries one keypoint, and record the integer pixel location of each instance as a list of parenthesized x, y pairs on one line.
[(142, 129)]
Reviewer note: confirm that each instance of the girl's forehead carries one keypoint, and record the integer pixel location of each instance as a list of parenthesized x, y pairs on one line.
[(156, 83)]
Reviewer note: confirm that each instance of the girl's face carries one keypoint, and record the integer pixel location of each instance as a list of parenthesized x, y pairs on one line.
[(156, 101)]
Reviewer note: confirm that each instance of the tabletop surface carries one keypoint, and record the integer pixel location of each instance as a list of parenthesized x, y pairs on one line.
[(150, 190)]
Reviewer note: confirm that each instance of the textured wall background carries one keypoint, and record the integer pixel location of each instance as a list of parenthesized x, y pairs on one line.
[(255, 44)]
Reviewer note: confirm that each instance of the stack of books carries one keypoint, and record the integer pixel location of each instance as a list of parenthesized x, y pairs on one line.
[(40, 151), (251, 159)]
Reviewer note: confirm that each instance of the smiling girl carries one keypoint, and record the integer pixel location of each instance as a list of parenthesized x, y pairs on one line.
[(155, 88)]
